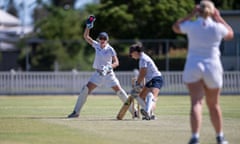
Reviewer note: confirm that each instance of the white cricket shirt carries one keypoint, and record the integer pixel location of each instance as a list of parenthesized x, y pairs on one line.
[(204, 36), (103, 56)]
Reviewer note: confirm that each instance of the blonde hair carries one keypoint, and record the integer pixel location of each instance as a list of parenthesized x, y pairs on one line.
[(207, 8)]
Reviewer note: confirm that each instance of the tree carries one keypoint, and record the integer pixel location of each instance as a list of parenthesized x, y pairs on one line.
[(139, 19), (57, 38), (61, 27), (40, 11), (151, 19), (61, 35)]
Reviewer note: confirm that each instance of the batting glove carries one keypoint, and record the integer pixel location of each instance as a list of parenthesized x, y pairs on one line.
[(90, 21), (137, 87), (134, 93)]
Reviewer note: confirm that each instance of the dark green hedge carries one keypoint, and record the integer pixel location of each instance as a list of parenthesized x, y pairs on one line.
[(128, 64)]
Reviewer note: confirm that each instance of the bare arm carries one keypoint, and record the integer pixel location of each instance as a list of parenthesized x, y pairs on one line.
[(87, 37), (115, 62), (176, 25), (142, 73), (219, 19)]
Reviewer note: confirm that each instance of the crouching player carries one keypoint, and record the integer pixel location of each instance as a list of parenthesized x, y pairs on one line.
[(153, 82)]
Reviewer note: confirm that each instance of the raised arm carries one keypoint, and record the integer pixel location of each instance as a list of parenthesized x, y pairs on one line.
[(176, 25), (217, 17), (87, 37), (89, 25)]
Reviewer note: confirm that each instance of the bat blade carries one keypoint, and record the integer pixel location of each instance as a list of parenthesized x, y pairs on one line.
[(124, 108)]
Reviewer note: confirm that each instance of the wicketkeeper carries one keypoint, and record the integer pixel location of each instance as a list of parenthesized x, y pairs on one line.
[(105, 61)]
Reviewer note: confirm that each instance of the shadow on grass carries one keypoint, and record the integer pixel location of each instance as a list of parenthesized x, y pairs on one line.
[(32, 117), (84, 118)]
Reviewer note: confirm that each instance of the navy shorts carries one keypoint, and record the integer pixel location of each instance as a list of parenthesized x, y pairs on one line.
[(156, 82)]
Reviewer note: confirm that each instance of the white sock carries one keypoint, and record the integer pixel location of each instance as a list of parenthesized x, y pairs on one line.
[(141, 102), (195, 135), (81, 99), (220, 134), (149, 102), (122, 95)]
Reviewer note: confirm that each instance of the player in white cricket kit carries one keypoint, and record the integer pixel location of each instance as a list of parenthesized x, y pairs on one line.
[(203, 69), (149, 72), (104, 63)]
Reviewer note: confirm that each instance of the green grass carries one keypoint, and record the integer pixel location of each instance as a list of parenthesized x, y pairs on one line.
[(42, 120)]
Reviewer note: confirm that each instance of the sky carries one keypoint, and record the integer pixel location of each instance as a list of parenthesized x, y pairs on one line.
[(25, 16)]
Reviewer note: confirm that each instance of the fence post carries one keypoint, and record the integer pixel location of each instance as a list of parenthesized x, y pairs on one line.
[(238, 51), (12, 74), (167, 55), (74, 79)]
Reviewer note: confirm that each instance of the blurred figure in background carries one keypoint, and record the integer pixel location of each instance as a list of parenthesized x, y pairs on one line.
[(203, 69)]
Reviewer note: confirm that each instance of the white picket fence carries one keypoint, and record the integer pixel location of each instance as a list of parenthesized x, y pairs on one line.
[(41, 83)]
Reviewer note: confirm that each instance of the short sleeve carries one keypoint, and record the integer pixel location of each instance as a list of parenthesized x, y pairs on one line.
[(114, 52), (95, 44), (222, 30), (142, 63), (185, 26)]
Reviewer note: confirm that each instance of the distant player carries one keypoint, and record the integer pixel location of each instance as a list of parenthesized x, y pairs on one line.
[(203, 69), (104, 63), (149, 72)]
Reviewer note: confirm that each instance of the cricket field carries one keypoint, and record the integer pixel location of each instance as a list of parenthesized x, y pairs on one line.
[(43, 120)]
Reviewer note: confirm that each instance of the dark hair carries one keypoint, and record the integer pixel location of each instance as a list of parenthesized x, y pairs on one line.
[(136, 47)]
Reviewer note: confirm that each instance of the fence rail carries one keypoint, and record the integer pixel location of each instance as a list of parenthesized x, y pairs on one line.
[(18, 83)]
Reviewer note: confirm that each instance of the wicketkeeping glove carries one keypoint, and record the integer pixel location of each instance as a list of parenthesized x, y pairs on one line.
[(106, 69), (90, 21)]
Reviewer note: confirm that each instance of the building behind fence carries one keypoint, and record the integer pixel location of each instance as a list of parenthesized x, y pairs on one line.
[(42, 83)]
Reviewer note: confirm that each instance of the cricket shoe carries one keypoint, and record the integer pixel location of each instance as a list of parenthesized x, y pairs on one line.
[(221, 140), (194, 141), (153, 117), (73, 115), (145, 114), (135, 115), (144, 118)]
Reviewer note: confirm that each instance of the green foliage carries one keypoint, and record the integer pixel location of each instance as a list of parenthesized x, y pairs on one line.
[(135, 19), (139, 19), (62, 33), (175, 64)]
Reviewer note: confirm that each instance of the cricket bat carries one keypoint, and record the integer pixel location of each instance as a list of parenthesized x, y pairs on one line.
[(127, 104), (125, 108)]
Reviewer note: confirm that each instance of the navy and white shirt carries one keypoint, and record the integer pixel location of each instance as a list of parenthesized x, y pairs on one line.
[(146, 62)]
